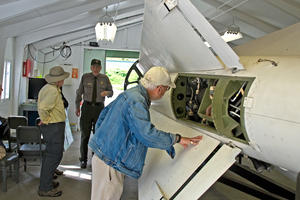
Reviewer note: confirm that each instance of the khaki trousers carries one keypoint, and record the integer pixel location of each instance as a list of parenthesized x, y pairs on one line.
[(107, 183)]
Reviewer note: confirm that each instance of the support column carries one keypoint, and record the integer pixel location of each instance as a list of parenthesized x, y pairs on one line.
[(19, 91), (2, 53)]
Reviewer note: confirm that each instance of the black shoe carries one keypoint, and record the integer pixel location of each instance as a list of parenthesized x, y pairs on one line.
[(55, 184), (54, 176), (50, 193), (58, 172), (83, 164)]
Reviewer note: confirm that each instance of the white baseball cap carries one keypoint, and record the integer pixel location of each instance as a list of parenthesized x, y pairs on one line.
[(159, 76)]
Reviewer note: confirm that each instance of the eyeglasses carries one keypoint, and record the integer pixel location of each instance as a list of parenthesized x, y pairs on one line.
[(166, 87)]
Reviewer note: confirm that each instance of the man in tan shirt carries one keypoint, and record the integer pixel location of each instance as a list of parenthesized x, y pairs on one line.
[(52, 114)]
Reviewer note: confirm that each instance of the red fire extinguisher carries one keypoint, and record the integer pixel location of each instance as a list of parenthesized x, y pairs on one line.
[(26, 67)]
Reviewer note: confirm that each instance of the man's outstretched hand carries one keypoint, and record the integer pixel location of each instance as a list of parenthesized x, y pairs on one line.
[(185, 141)]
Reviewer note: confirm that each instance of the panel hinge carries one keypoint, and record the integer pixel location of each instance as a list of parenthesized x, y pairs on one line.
[(170, 4)]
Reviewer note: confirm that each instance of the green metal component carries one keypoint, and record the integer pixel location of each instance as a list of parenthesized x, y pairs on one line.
[(179, 97), (206, 102), (215, 103)]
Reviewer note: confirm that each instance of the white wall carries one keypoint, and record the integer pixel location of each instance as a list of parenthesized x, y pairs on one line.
[(5, 106), (9, 50), (38, 69), (23, 85)]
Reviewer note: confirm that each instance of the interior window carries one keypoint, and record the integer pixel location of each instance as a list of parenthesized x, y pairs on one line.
[(6, 80)]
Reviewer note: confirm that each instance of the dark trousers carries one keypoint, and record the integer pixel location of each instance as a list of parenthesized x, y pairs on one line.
[(53, 135), (88, 119)]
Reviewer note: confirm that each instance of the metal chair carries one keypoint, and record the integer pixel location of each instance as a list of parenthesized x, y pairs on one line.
[(37, 121), (9, 160), (29, 143), (13, 123)]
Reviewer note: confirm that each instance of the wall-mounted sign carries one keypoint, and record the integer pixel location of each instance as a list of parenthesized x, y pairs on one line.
[(74, 72)]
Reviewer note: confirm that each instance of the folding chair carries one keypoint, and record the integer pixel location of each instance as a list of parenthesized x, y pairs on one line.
[(29, 143), (13, 123)]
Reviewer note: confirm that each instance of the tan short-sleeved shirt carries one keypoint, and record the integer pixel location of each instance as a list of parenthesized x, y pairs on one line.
[(86, 88), (50, 105)]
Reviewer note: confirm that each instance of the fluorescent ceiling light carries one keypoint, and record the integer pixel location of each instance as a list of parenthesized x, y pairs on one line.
[(105, 31), (228, 37), (106, 28)]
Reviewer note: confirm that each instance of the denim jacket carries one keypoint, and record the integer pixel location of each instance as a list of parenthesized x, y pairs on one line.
[(124, 133)]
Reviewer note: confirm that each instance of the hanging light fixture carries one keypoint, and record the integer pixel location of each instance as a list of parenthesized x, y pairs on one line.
[(232, 33), (106, 29)]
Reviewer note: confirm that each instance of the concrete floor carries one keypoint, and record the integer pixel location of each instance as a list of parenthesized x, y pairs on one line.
[(76, 184)]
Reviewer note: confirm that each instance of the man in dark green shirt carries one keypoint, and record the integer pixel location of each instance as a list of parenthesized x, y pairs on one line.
[(93, 89)]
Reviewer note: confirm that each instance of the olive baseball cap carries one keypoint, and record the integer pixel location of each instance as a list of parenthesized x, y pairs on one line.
[(96, 62)]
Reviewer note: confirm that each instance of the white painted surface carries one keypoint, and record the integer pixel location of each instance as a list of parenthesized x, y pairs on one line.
[(210, 173), (226, 54), (271, 45), (169, 40), (273, 120), (169, 173)]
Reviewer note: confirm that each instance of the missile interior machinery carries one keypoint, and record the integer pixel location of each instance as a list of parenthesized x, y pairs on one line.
[(214, 103)]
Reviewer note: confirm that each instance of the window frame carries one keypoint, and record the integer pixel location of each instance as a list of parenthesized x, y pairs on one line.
[(6, 80)]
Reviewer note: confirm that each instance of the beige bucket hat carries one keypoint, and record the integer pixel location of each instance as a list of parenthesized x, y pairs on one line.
[(56, 73)]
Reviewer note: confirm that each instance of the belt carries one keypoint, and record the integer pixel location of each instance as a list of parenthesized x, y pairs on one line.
[(94, 104)]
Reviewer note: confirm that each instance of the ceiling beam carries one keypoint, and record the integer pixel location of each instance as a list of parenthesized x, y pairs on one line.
[(92, 36), (63, 38), (20, 28), (11, 9), (124, 20), (86, 23), (122, 24), (133, 11), (289, 7), (252, 21), (2, 2)]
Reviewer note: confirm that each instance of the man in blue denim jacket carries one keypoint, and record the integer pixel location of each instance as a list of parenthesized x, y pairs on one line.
[(124, 132)]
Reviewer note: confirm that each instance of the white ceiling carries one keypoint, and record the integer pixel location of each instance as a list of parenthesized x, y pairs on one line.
[(50, 22)]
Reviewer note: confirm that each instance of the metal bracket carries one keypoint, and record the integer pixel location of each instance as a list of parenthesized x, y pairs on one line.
[(234, 70), (275, 64), (231, 144), (170, 4)]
